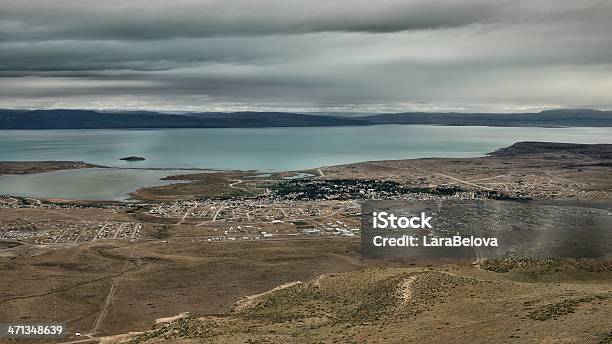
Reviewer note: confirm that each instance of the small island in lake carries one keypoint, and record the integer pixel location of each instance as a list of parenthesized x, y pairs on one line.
[(133, 158)]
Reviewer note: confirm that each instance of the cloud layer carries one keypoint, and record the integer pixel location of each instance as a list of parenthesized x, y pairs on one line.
[(388, 55)]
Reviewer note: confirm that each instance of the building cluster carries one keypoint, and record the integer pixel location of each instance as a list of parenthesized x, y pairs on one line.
[(61, 232), (358, 189), (334, 228)]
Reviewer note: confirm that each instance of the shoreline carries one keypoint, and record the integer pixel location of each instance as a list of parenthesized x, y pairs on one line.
[(524, 169)]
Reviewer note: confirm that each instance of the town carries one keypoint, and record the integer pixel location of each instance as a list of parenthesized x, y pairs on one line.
[(204, 220)]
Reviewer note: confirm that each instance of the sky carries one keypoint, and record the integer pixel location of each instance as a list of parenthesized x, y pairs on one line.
[(306, 55)]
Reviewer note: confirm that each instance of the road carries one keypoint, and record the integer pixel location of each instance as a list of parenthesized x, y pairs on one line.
[(119, 230), (103, 226), (436, 173), (110, 295), (135, 230), (189, 211), (215, 215), (233, 185)]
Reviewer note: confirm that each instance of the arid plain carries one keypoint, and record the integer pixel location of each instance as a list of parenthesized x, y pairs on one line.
[(238, 257)]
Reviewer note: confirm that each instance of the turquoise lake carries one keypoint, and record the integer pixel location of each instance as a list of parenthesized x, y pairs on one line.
[(264, 149), (275, 149)]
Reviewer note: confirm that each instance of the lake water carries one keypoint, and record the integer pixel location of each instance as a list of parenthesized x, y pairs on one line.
[(274, 149), (110, 184), (264, 149)]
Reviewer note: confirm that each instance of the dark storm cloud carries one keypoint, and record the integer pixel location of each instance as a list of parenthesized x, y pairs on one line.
[(471, 54), (146, 19), (86, 55)]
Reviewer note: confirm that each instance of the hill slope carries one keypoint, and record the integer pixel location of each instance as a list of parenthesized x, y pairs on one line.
[(526, 302)]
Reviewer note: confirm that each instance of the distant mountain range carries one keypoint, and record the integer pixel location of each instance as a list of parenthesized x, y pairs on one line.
[(89, 119)]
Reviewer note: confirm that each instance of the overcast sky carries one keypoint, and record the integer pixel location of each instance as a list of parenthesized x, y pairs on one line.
[(306, 55)]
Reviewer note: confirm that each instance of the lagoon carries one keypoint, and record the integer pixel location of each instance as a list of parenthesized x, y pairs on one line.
[(108, 184)]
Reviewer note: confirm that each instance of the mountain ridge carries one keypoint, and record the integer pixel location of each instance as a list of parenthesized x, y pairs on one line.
[(94, 119)]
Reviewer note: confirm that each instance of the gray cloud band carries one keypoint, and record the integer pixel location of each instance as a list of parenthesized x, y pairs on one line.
[(501, 54), (138, 20)]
